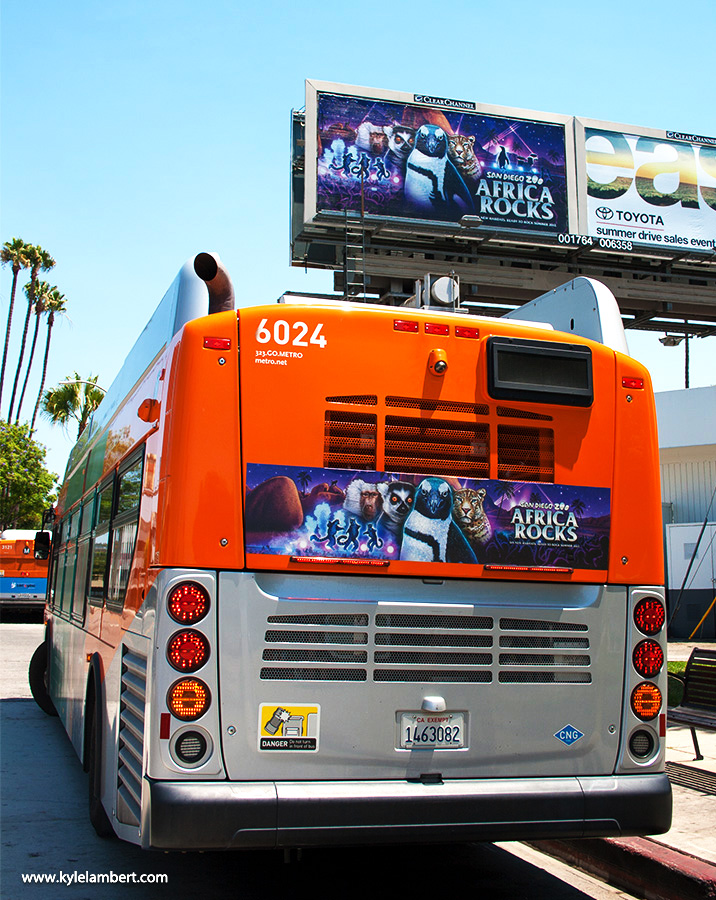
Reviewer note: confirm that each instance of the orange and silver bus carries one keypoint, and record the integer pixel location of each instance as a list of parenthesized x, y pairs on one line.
[(23, 572), (330, 572)]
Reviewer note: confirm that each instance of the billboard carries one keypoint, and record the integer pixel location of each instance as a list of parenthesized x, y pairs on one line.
[(642, 186), (413, 157), (389, 517)]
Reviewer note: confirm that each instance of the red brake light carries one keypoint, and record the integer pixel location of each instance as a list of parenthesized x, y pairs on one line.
[(216, 343), (188, 603), (649, 616), (436, 328), (188, 699), (405, 325), (188, 650), (648, 658)]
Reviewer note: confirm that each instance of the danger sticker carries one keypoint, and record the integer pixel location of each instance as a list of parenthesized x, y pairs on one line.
[(289, 726)]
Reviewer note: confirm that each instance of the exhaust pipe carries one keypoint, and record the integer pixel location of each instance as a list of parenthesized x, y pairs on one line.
[(210, 269)]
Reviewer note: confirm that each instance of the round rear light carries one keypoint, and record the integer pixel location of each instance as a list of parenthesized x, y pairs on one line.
[(648, 658), (190, 747), (649, 616), (188, 603), (642, 744), (188, 650), (188, 699), (646, 701)]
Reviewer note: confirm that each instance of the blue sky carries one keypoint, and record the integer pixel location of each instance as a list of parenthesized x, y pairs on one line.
[(135, 134)]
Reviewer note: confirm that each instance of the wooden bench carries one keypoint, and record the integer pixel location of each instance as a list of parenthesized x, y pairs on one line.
[(698, 705)]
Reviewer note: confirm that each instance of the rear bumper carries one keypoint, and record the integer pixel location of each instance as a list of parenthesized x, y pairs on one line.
[(223, 815)]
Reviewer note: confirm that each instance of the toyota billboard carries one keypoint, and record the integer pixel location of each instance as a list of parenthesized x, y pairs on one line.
[(643, 186)]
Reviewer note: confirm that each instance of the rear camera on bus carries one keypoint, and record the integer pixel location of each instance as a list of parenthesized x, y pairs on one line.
[(188, 699), (188, 603), (188, 650), (646, 701), (648, 658), (649, 616)]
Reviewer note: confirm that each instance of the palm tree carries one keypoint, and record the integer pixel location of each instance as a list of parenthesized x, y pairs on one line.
[(55, 305), (15, 253), (37, 259), (505, 490), (76, 398), (42, 296)]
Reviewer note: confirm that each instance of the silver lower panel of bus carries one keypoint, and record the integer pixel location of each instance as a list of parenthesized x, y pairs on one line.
[(225, 815), (534, 674)]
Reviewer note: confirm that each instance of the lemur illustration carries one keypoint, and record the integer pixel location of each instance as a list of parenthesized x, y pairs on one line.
[(397, 503)]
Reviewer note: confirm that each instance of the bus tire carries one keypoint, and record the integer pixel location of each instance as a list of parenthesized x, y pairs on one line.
[(97, 814), (37, 676)]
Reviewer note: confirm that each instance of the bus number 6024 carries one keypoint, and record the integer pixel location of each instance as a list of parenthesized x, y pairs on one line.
[(281, 333)]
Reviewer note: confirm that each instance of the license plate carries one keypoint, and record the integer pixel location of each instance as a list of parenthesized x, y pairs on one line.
[(433, 731)]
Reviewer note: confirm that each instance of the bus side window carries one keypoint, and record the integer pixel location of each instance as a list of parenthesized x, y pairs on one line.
[(66, 581), (100, 544), (83, 548), (124, 530), (57, 567)]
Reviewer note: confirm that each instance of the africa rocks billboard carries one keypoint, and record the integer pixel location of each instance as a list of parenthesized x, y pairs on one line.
[(435, 160), (342, 514)]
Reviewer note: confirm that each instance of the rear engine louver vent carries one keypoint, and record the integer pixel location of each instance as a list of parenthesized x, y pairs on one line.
[(440, 447), (357, 399), (475, 409), (525, 454), (507, 412), (350, 440)]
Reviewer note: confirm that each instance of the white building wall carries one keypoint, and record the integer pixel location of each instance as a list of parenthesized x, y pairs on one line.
[(688, 477), (687, 451)]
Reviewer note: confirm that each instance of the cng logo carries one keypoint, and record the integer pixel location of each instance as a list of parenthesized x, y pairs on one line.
[(569, 735)]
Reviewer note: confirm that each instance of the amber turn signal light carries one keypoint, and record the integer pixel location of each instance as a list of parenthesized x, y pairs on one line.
[(646, 701), (188, 699)]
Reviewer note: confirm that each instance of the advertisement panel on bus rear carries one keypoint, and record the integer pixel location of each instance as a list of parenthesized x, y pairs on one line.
[(431, 161), (647, 189), (344, 514)]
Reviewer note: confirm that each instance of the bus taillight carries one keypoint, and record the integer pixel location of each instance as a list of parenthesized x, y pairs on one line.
[(188, 603), (646, 701), (188, 650), (649, 616), (648, 658), (188, 699)]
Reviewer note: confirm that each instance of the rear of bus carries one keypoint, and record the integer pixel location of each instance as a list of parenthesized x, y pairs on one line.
[(23, 579), (414, 590)]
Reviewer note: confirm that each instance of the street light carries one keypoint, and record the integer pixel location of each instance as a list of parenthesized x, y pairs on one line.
[(673, 340)]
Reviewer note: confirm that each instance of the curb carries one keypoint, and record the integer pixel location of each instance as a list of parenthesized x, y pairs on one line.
[(638, 865)]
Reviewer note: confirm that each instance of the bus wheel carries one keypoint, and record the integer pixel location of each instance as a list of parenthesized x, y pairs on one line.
[(37, 677), (98, 817)]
